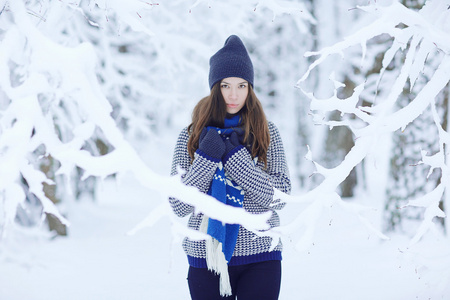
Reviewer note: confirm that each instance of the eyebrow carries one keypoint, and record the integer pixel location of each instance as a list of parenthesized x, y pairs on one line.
[(246, 82)]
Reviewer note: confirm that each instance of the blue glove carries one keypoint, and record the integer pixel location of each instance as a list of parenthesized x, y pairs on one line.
[(240, 133), (232, 143), (211, 143)]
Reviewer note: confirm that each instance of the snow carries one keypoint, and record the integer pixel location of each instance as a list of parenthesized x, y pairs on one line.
[(382, 120), (100, 261), (125, 242)]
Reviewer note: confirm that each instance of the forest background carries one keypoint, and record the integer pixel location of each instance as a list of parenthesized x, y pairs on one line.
[(93, 91)]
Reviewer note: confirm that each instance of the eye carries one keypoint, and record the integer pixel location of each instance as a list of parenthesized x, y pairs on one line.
[(224, 86), (243, 86)]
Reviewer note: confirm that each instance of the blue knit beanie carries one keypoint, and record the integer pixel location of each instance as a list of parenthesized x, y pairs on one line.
[(230, 61)]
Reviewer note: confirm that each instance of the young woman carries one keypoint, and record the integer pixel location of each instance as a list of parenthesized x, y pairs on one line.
[(231, 152)]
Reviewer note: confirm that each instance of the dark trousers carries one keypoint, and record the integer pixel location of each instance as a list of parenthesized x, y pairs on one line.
[(259, 281)]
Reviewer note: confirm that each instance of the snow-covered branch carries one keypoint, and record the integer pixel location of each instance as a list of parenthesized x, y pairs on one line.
[(423, 32), (42, 82)]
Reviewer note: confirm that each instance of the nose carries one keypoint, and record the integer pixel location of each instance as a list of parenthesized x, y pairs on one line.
[(233, 93)]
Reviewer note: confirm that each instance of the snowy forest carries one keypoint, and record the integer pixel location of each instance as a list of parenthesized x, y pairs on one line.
[(93, 94)]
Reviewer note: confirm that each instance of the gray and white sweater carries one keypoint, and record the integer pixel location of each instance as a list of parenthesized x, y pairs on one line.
[(258, 183)]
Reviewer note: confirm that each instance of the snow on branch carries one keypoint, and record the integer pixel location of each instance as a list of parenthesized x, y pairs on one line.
[(59, 82), (286, 7), (421, 33), (388, 19), (129, 12), (432, 200)]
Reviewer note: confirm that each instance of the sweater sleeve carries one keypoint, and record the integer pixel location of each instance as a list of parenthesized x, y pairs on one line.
[(198, 173), (259, 182)]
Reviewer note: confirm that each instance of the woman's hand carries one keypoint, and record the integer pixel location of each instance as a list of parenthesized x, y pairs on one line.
[(241, 134), (232, 143), (211, 143)]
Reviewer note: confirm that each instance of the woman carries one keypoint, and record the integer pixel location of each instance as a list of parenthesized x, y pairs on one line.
[(232, 153)]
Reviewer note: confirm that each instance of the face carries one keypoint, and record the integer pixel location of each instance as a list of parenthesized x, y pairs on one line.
[(234, 91)]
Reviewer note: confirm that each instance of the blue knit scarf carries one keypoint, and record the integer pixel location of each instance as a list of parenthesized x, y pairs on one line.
[(225, 190)]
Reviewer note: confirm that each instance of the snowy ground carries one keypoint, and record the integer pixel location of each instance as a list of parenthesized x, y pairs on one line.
[(99, 261)]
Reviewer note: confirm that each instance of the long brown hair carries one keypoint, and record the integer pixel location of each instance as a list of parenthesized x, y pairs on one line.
[(212, 110)]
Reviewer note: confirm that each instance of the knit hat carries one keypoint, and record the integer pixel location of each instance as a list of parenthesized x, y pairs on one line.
[(230, 61)]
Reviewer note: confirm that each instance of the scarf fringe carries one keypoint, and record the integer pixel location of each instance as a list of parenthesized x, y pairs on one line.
[(215, 260)]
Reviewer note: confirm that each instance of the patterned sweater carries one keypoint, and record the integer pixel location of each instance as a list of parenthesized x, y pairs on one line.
[(257, 182)]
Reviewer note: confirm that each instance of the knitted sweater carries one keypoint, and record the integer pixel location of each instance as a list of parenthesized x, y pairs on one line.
[(257, 182)]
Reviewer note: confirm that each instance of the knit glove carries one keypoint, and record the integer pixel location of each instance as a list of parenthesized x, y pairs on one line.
[(232, 144), (211, 143), (240, 134)]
